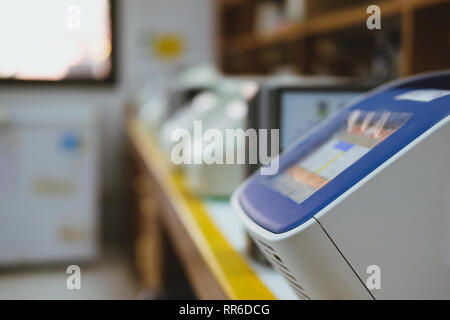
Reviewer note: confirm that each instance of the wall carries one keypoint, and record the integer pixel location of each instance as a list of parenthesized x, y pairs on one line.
[(138, 20)]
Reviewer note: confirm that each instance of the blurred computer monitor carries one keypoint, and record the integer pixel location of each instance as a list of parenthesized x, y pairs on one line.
[(298, 111), (297, 107)]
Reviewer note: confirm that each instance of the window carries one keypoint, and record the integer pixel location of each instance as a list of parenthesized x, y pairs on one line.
[(56, 40)]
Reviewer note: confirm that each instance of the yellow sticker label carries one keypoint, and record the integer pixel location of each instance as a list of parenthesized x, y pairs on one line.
[(168, 46), (54, 187)]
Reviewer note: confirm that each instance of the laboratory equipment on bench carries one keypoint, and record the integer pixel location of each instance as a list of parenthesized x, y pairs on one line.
[(204, 106), (360, 208), (189, 83), (48, 184), (158, 102), (224, 108), (294, 105), (219, 179)]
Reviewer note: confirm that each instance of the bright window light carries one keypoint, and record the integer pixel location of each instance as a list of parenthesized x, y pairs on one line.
[(54, 40)]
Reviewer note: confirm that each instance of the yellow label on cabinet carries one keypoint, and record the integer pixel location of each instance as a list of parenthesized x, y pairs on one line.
[(168, 46), (54, 187)]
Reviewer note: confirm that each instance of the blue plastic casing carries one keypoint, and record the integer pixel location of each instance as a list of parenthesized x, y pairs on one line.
[(278, 213)]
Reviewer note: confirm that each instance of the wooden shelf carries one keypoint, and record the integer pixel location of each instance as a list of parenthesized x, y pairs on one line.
[(350, 17), (215, 268), (247, 46), (331, 22), (231, 2), (250, 42)]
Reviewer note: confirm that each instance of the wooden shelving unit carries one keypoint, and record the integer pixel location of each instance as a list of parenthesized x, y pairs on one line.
[(423, 28)]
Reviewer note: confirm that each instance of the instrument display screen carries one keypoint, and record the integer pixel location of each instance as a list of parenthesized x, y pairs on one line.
[(360, 133)]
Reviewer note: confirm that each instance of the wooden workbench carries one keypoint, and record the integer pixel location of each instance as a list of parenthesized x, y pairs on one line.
[(208, 238)]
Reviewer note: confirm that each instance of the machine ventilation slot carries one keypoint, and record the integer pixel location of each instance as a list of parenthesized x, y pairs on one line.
[(298, 289), (295, 285), (302, 294), (290, 276), (279, 264), (266, 246), (277, 258)]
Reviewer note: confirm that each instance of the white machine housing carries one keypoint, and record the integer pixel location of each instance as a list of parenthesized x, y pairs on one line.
[(386, 237)]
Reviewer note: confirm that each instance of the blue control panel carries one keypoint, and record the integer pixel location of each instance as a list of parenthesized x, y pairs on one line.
[(348, 147)]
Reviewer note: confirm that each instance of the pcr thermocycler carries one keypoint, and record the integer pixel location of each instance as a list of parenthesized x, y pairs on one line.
[(360, 208)]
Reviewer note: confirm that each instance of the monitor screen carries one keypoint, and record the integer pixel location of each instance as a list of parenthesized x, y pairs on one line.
[(55, 40), (360, 132), (301, 111)]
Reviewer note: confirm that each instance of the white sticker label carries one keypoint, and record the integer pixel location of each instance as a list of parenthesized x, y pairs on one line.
[(425, 95)]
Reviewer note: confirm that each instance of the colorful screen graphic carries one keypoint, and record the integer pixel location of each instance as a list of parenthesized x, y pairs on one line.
[(361, 132)]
